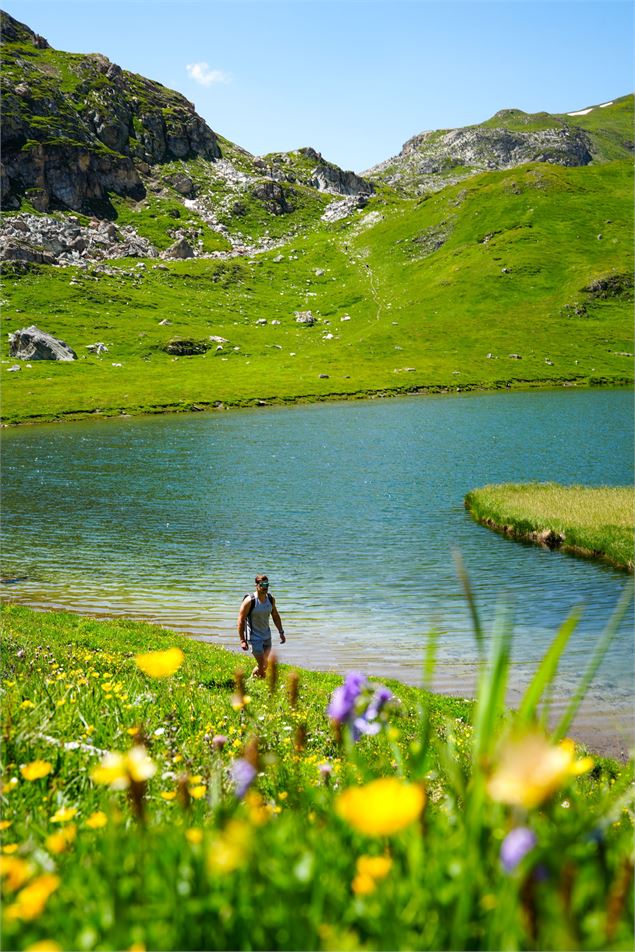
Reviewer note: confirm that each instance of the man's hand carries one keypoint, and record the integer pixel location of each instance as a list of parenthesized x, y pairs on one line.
[(282, 638), (243, 644)]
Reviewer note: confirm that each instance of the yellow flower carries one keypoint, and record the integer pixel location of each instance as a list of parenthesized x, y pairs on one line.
[(9, 848), (64, 814), (230, 849), (377, 867), (59, 841), (30, 902), (36, 769), (530, 769), (259, 812), (45, 945), (168, 794), (5, 824), (160, 664), (117, 770), (194, 836), (382, 807), (96, 820), (16, 870), (363, 885), (26, 704), (197, 792)]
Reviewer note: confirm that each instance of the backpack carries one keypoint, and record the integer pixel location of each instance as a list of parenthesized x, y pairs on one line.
[(252, 605)]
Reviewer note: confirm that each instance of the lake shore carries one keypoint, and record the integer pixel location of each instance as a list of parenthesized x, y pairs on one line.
[(604, 734), (288, 400)]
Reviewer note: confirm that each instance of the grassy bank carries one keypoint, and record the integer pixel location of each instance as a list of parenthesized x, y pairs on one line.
[(587, 521), (149, 802)]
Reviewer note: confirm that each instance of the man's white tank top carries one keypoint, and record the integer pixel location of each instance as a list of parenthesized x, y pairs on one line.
[(260, 615)]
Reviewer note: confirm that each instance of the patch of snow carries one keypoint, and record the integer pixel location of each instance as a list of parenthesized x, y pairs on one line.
[(581, 112), (605, 104)]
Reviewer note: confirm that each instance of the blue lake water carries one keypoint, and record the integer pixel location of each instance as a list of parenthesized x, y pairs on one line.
[(353, 509)]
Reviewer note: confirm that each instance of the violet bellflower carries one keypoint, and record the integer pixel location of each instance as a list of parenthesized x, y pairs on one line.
[(342, 704), (515, 847), (243, 774)]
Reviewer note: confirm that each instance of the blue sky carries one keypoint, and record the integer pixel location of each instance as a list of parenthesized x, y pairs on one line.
[(354, 78)]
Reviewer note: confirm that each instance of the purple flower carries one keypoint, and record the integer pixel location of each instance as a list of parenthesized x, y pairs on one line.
[(361, 726), (325, 768), (242, 774), (343, 698), (380, 698), (515, 847), (218, 741)]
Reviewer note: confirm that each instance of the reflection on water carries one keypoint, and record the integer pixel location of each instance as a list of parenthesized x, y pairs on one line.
[(353, 510)]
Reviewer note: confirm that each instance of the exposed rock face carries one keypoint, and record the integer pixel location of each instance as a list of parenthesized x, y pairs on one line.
[(31, 343), (180, 249), (330, 178), (273, 198), (68, 148), (46, 240), (432, 160)]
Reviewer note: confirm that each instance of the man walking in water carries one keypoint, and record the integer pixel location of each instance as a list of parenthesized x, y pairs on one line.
[(254, 615)]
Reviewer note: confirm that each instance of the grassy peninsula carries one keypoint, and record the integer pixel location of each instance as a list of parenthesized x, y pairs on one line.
[(154, 799), (594, 522)]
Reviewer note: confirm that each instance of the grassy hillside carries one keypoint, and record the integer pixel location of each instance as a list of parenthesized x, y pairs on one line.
[(533, 262)]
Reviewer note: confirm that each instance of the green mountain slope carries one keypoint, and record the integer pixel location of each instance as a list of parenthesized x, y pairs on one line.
[(213, 277)]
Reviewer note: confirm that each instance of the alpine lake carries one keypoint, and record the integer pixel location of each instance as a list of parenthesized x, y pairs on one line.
[(354, 510)]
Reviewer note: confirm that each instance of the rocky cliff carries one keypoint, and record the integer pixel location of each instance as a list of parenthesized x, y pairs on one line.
[(75, 127), (431, 160)]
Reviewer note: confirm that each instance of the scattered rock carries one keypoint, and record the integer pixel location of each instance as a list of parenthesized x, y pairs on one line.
[(324, 376), (514, 356), (218, 340), (180, 249), (31, 343), (165, 322), (15, 367), (305, 317), (261, 321), (186, 347), (99, 348)]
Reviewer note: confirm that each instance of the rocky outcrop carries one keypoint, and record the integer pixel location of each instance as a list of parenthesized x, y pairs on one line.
[(330, 178), (273, 197), (182, 347), (180, 249), (46, 240), (69, 147), (31, 343), (432, 160)]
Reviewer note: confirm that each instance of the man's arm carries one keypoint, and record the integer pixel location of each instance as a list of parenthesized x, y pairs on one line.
[(278, 623), (242, 618)]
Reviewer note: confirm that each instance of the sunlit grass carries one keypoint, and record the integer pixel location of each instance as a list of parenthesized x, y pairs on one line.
[(591, 521), (158, 800)]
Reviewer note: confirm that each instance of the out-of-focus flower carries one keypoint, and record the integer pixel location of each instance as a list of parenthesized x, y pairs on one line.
[(382, 807), (379, 700), (198, 792), (342, 703), (259, 813), (16, 870), (370, 869), (10, 848), (31, 900), (194, 836), (119, 770), (219, 741), (36, 769), (45, 945), (530, 769), (60, 841), (5, 824), (230, 849), (96, 820), (64, 814), (168, 795), (243, 774), (160, 664), (27, 704), (515, 847)]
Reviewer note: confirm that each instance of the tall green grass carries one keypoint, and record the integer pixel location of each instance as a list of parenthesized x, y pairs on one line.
[(420, 822), (596, 522)]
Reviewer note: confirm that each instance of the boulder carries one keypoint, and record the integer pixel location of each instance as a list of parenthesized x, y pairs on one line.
[(272, 197), (185, 347), (180, 249), (31, 343), (305, 317)]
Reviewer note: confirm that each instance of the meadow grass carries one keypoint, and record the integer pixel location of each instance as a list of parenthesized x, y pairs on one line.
[(480, 286), (596, 522), (151, 801)]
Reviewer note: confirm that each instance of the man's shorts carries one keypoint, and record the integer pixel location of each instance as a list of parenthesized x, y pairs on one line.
[(259, 645)]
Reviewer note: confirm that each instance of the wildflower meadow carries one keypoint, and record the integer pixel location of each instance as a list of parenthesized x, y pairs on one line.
[(155, 797)]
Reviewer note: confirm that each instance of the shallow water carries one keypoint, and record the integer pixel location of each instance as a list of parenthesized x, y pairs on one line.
[(353, 509)]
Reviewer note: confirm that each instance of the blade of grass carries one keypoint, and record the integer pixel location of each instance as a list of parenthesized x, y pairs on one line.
[(548, 667), (596, 660), (471, 601)]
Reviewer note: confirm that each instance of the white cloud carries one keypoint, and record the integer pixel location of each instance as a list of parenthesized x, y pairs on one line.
[(204, 76)]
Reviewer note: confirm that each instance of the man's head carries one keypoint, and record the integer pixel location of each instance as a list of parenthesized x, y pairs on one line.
[(262, 581)]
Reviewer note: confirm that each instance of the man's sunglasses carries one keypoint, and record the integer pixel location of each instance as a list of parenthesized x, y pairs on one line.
[(263, 584)]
